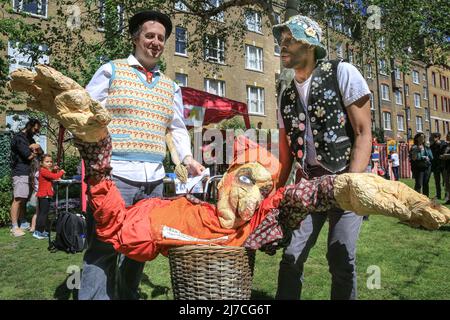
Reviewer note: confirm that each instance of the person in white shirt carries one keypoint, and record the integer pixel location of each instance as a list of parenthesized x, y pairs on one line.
[(395, 163), (325, 125), (144, 103)]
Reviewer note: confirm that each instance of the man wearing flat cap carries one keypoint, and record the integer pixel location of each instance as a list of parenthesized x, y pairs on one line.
[(324, 119), (144, 104)]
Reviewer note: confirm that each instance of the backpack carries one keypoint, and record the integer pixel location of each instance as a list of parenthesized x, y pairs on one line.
[(70, 233)]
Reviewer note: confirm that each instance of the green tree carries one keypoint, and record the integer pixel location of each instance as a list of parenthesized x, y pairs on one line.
[(413, 29)]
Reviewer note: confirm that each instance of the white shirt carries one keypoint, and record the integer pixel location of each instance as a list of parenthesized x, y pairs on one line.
[(140, 171), (352, 86), (395, 160)]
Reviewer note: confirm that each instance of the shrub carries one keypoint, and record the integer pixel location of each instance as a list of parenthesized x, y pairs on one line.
[(5, 199)]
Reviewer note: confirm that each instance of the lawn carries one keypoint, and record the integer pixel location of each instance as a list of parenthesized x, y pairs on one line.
[(414, 264)]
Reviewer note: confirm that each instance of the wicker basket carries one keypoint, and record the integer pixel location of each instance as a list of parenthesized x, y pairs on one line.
[(202, 272)]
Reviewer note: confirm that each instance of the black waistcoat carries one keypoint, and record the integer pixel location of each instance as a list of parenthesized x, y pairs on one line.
[(332, 132)]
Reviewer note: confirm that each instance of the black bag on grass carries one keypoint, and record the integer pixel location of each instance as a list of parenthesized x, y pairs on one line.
[(70, 233)]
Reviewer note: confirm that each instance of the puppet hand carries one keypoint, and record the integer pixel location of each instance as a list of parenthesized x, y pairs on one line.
[(193, 199), (370, 194), (63, 99), (97, 158), (181, 172)]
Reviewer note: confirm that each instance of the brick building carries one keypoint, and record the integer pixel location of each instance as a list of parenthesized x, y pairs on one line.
[(402, 104)]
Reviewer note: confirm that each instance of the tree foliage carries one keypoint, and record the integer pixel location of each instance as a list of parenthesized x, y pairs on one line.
[(82, 35)]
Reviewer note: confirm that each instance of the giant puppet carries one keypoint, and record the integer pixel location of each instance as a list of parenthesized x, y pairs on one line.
[(249, 211)]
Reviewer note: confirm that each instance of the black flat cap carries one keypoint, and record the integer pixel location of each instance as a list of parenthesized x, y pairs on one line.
[(148, 15)]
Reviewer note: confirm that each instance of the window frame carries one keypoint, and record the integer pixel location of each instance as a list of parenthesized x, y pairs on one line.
[(397, 94), (258, 23), (415, 72), (385, 120), (220, 86), (185, 76), (220, 47), (421, 123), (383, 85), (19, 8), (185, 54), (260, 93), (259, 54), (15, 54), (402, 129), (420, 100)]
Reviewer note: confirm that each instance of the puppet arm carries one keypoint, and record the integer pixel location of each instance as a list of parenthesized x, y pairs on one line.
[(367, 194), (63, 99)]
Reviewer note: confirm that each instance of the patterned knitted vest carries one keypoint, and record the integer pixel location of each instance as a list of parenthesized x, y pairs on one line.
[(141, 113)]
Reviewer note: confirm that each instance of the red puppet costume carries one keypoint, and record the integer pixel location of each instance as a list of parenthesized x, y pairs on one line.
[(152, 226)]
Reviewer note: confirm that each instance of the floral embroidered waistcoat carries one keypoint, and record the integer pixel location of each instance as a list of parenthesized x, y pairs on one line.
[(332, 133)]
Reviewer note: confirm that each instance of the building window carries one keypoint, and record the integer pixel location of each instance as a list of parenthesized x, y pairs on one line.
[(102, 16), (419, 124), (425, 93), (398, 97), (415, 76), (253, 21), (382, 66), (181, 79), (408, 114), (433, 79), (277, 48), (254, 58), (436, 125), (400, 123), (387, 121), (385, 92), (216, 87), (214, 49), (372, 102), (255, 100), (22, 59), (444, 104), (435, 102), (181, 6), (407, 89), (35, 8), (427, 115), (181, 41), (369, 71), (350, 55), (398, 74), (339, 52), (424, 77), (417, 100), (381, 43)]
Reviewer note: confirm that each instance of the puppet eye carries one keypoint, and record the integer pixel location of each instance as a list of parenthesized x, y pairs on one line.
[(245, 179)]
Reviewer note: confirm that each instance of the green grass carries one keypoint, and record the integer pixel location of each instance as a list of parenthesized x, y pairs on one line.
[(414, 264)]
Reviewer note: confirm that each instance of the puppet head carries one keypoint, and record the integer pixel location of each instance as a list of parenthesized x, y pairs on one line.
[(251, 178)]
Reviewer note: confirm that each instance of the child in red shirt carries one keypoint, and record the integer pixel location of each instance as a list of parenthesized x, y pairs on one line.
[(47, 174)]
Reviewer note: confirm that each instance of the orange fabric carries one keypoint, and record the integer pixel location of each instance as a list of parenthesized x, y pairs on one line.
[(136, 231)]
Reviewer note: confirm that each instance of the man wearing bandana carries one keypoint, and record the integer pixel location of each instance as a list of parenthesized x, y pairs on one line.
[(325, 125)]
